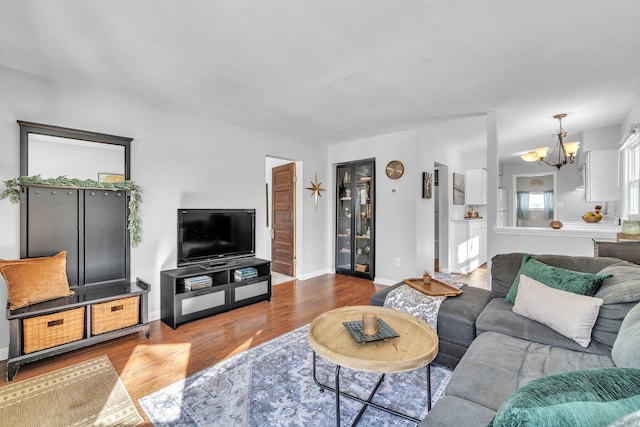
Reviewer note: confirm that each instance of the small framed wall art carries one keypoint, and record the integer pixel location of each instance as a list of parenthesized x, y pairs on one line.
[(458, 189), (110, 177), (427, 179)]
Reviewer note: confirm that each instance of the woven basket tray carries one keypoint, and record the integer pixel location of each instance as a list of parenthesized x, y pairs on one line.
[(112, 315), (54, 329), (591, 219)]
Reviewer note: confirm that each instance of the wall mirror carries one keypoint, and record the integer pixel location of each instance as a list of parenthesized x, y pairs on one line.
[(51, 151)]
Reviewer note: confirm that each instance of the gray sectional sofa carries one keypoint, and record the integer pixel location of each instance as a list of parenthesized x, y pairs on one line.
[(496, 351)]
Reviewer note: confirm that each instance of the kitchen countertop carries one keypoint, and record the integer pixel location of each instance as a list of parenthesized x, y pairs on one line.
[(606, 230), (601, 226)]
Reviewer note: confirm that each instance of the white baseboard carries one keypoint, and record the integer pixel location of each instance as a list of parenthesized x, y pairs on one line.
[(154, 315), (315, 274), (385, 282)]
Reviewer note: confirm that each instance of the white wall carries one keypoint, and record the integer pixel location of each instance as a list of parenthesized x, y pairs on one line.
[(179, 160), (633, 118), (394, 214), (404, 221), (438, 151)]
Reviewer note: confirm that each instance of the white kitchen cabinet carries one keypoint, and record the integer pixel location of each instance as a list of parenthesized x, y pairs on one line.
[(476, 192), (469, 245), (600, 176)]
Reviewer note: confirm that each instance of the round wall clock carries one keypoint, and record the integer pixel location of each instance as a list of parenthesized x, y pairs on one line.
[(395, 169)]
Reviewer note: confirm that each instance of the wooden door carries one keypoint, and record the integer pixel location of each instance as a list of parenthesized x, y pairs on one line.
[(283, 225)]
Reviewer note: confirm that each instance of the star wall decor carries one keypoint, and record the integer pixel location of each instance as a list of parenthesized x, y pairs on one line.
[(316, 189)]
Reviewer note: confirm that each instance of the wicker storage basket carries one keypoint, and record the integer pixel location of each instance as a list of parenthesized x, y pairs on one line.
[(54, 329), (113, 315)]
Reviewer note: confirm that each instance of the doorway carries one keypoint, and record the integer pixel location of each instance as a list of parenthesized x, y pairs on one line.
[(534, 199), (441, 217)]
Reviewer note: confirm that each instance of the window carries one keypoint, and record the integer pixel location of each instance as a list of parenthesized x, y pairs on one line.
[(631, 157), (536, 201), (634, 180)]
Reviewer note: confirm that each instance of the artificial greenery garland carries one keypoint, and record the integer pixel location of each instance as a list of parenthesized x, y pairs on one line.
[(12, 192)]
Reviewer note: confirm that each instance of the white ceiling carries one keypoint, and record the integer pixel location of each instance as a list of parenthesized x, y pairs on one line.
[(325, 71)]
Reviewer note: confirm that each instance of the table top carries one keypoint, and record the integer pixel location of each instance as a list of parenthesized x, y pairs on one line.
[(416, 346)]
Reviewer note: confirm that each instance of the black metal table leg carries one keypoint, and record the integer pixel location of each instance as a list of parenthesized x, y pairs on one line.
[(338, 395), (429, 386), (367, 402)]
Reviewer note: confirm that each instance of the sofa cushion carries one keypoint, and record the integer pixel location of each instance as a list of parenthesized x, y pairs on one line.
[(33, 280), (570, 314), (579, 398), (454, 411), (495, 365), (457, 323), (620, 294), (577, 282), (626, 349), (457, 315), (504, 268), (379, 297), (498, 316)]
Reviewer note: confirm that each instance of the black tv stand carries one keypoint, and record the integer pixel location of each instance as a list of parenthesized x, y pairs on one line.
[(211, 265), (180, 305), (214, 264)]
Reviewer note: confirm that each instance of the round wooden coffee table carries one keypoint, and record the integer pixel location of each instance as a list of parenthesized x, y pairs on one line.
[(415, 348)]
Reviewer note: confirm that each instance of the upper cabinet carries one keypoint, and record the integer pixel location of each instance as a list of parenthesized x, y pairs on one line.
[(476, 193), (600, 178)]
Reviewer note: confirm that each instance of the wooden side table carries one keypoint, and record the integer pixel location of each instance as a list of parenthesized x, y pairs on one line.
[(415, 348)]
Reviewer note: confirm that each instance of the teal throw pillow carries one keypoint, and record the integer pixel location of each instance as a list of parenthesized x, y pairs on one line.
[(559, 278), (591, 397)]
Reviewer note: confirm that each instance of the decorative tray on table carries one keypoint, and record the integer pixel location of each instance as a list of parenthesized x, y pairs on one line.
[(384, 331), (435, 289)]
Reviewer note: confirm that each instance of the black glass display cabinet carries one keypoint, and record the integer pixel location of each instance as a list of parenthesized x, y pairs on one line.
[(355, 218)]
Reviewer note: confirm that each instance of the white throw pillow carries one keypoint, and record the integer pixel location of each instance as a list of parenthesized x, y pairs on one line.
[(569, 314)]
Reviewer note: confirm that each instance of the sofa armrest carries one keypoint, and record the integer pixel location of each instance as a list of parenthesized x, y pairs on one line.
[(379, 297)]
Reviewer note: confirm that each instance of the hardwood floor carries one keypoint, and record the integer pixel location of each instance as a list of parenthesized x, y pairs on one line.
[(168, 356), (478, 277)]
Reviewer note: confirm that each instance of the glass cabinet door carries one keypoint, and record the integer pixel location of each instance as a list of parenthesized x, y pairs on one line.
[(355, 218), (362, 218), (343, 218)]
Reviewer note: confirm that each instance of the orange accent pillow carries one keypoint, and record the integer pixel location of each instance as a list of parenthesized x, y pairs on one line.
[(32, 280)]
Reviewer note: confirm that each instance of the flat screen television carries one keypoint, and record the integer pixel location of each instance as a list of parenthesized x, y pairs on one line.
[(215, 235)]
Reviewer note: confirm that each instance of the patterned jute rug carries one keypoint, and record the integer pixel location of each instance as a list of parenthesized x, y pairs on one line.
[(86, 394), (272, 385)]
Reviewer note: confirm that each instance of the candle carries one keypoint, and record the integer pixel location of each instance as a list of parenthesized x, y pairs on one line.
[(369, 324)]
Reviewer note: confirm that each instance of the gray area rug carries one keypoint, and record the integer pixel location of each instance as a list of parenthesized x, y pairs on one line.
[(272, 385)]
